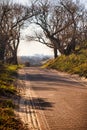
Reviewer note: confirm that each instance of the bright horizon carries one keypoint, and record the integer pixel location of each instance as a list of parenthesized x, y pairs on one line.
[(27, 48)]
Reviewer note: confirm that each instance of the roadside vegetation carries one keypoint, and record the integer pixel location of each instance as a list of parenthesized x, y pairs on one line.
[(8, 120), (76, 63)]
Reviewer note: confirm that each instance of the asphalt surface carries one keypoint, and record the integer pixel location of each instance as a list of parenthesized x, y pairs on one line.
[(59, 100)]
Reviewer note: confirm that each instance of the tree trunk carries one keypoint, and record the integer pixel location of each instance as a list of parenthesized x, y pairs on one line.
[(2, 51), (71, 47), (15, 61), (55, 53)]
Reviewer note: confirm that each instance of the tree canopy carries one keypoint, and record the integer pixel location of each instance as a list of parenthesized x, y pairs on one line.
[(63, 24)]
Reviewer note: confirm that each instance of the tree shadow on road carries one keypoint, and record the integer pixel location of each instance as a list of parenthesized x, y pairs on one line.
[(48, 78), (33, 104)]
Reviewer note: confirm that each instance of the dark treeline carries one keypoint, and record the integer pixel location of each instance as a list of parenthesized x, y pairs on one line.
[(64, 26)]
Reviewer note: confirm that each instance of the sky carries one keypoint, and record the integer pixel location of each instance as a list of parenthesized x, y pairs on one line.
[(33, 48), (21, 1), (27, 1)]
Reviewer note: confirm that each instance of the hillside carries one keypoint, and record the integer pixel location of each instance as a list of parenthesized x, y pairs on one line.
[(74, 63)]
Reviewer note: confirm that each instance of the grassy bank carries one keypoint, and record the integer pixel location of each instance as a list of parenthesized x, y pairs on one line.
[(8, 120), (74, 63)]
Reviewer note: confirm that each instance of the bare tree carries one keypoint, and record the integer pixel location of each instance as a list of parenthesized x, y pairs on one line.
[(60, 24), (53, 21), (74, 12), (82, 31), (12, 18)]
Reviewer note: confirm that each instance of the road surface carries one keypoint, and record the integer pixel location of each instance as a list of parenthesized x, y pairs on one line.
[(51, 100)]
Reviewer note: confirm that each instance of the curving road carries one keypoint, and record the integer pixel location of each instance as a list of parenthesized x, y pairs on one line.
[(51, 100)]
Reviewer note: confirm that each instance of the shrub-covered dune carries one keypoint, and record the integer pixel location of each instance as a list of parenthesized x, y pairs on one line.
[(74, 63)]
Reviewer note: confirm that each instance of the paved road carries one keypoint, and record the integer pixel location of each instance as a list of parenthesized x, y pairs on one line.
[(60, 100)]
